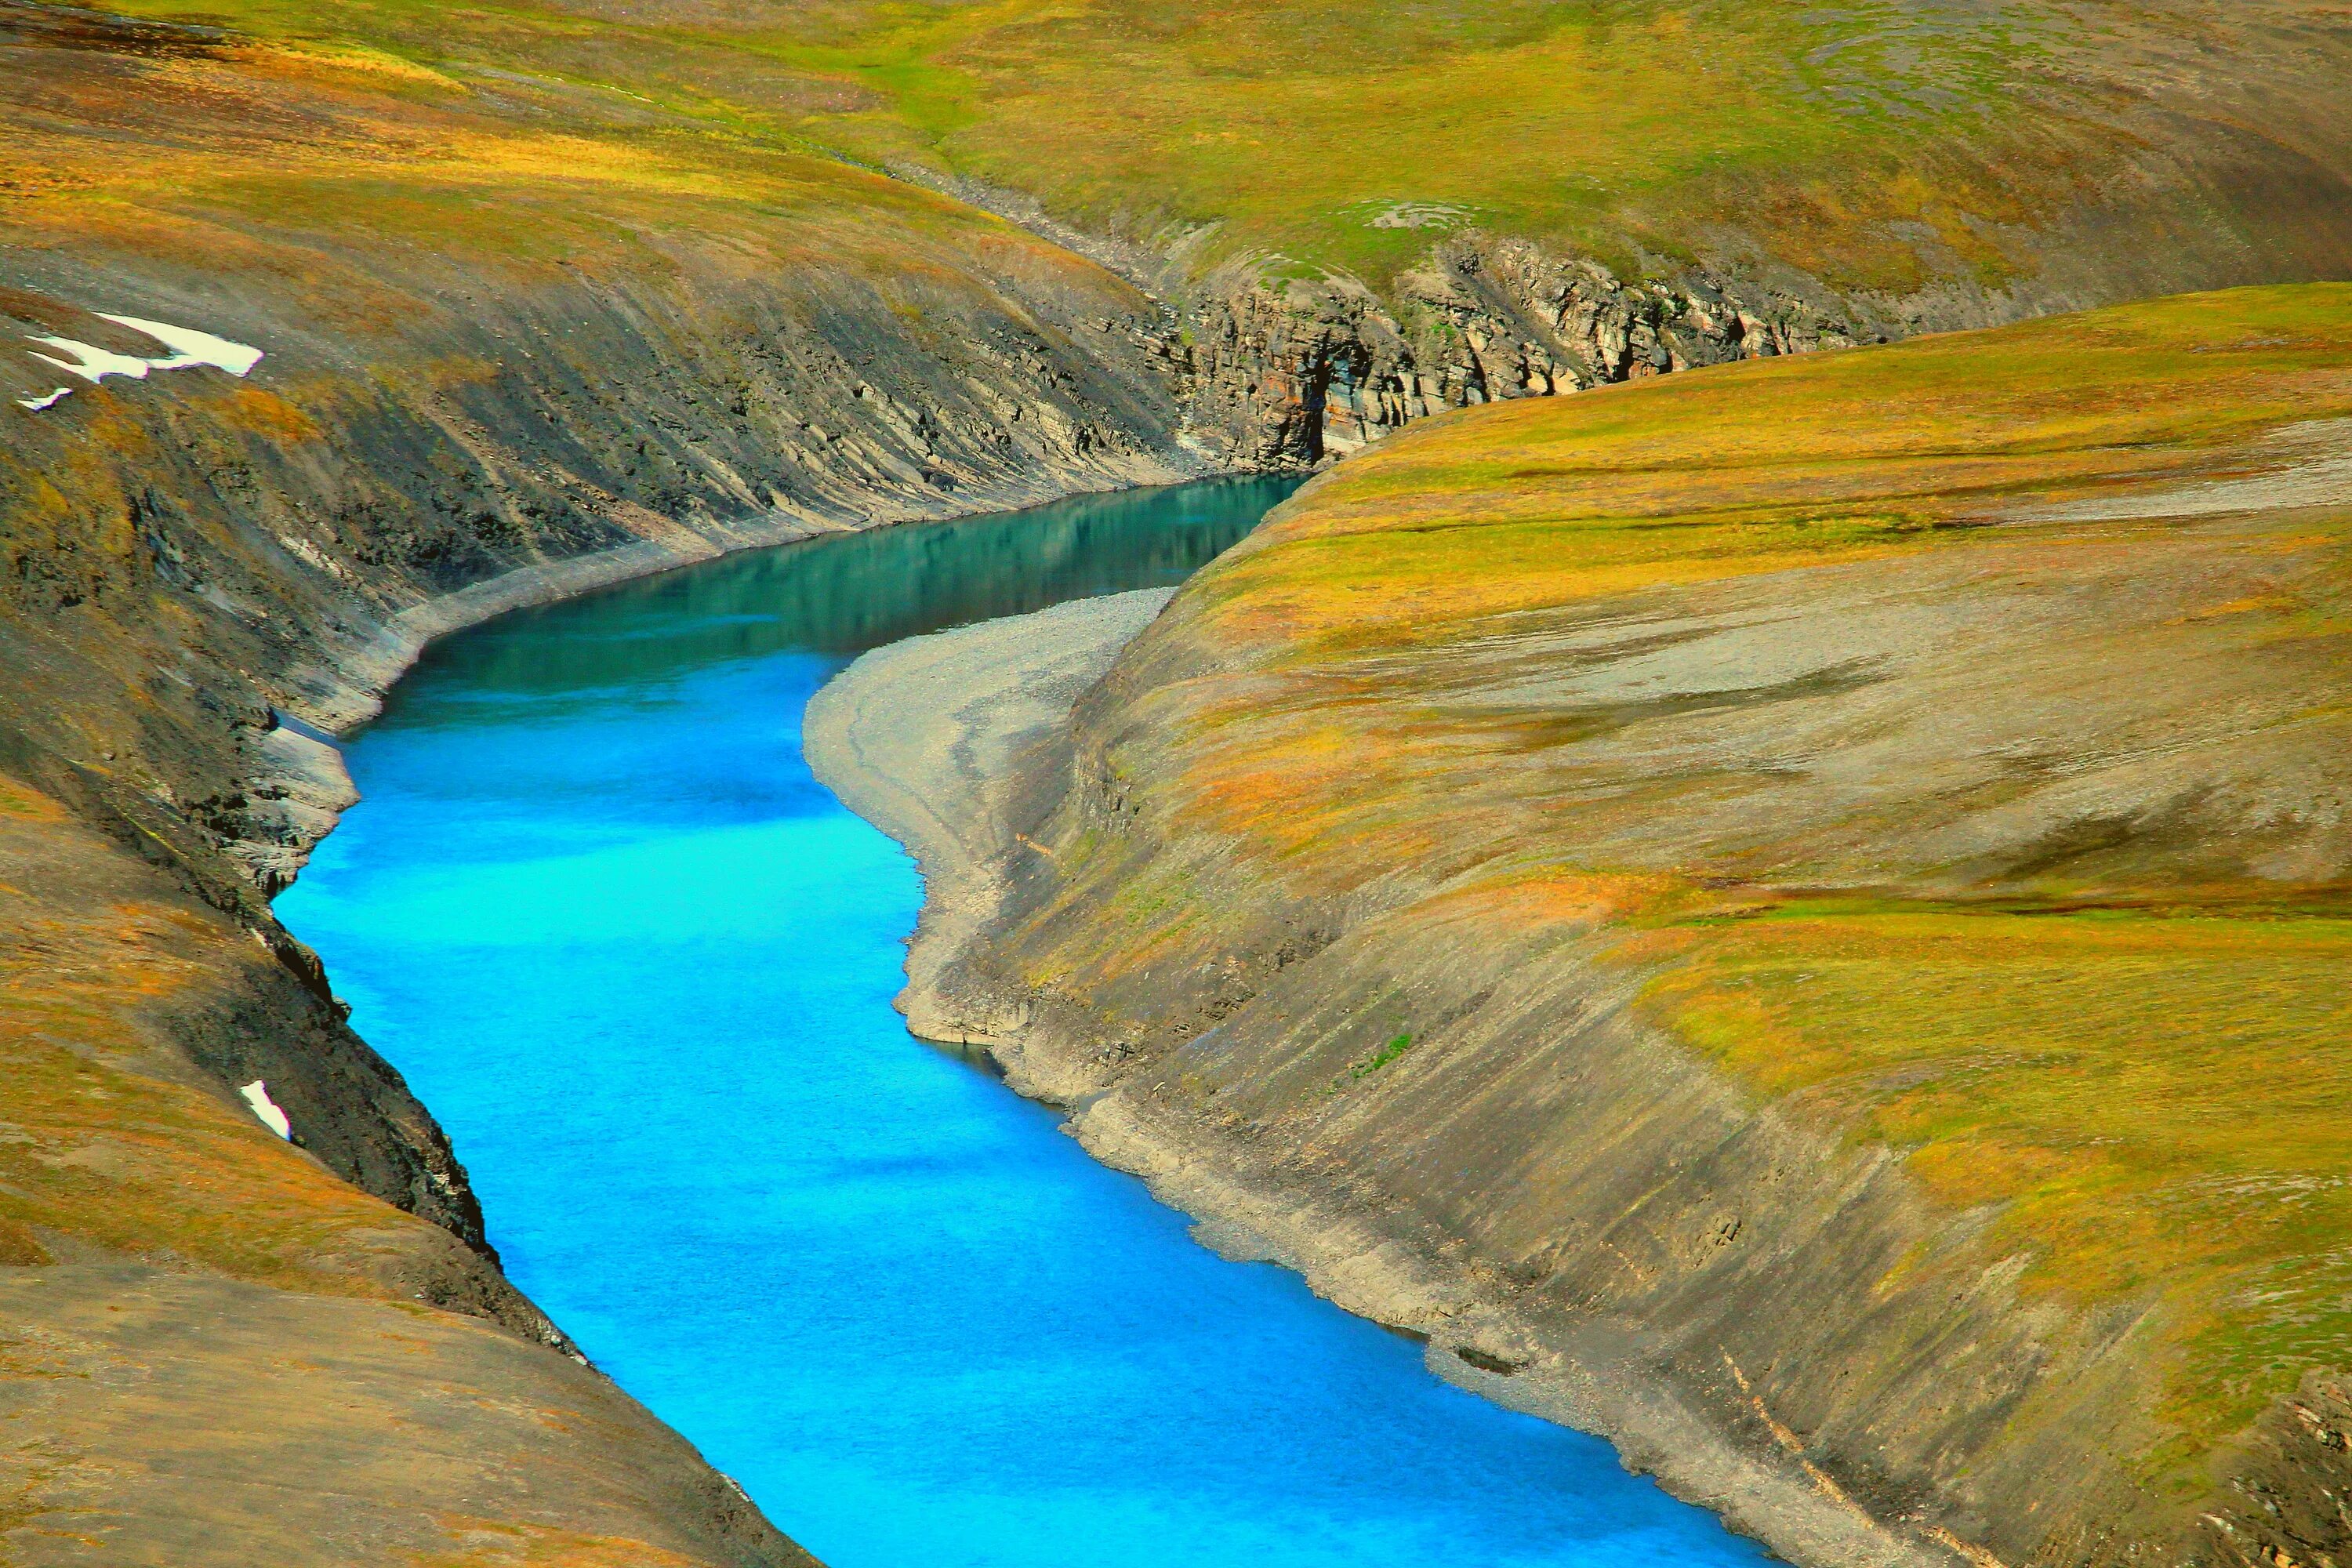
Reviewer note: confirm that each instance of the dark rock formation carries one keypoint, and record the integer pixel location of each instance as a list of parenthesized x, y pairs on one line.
[(1285, 375)]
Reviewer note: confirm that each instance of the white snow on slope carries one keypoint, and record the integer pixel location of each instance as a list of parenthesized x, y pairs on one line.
[(256, 1095), (90, 364), (190, 348)]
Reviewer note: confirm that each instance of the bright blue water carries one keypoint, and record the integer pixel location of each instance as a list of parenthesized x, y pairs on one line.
[(640, 964)]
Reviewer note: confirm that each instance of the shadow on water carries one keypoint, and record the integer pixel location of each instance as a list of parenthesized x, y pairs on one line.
[(847, 594)]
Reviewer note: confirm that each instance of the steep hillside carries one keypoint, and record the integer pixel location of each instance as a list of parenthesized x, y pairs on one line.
[(353, 351), (1818, 887)]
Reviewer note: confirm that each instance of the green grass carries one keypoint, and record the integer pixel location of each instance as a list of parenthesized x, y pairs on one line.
[(1380, 1058), (1288, 127)]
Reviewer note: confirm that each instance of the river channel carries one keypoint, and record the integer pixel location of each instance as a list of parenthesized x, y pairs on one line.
[(640, 964)]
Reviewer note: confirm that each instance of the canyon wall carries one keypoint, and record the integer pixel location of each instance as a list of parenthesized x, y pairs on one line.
[(1287, 373), (193, 556), (528, 319)]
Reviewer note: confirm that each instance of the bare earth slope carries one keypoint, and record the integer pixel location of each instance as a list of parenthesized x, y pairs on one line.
[(512, 345), (1817, 889)]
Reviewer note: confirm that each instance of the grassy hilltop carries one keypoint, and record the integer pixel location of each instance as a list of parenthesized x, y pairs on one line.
[(265, 149), (1876, 144), (1879, 145)]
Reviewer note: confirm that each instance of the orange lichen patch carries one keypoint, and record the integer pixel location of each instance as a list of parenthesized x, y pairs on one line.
[(1335, 790), (1291, 806), (1525, 898), (19, 1247), (27, 803), (490, 1543), (258, 409)]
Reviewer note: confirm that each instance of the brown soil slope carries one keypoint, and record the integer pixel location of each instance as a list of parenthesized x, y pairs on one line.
[(513, 343), (1821, 884)]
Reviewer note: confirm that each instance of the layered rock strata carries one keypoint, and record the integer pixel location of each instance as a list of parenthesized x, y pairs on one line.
[(1287, 374)]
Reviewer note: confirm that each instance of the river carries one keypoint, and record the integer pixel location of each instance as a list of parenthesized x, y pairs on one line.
[(640, 964)]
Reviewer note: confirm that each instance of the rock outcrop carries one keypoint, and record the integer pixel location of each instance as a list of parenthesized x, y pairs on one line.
[(1286, 374)]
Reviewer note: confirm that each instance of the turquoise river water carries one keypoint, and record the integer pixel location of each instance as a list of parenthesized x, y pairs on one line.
[(640, 964)]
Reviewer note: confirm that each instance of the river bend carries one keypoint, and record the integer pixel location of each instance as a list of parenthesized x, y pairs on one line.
[(640, 964)]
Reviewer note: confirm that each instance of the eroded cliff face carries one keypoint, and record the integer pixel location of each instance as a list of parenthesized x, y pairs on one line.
[(1286, 374), (1793, 916), (1276, 371), (1289, 371)]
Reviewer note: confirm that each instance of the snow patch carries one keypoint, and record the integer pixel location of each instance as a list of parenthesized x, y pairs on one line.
[(256, 1095), (91, 363), (190, 348)]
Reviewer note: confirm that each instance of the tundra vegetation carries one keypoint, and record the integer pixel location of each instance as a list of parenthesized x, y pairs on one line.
[(1881, 148)]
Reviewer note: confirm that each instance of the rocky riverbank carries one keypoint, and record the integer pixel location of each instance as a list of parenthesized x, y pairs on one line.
[(946, 742)]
